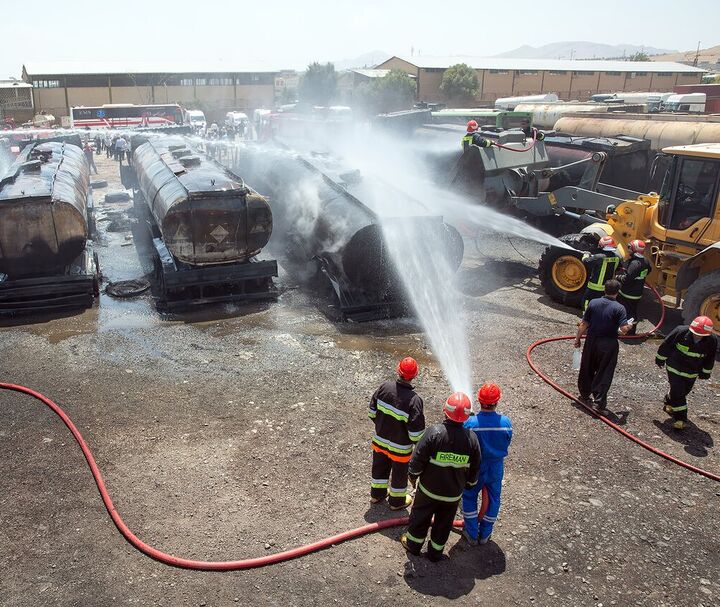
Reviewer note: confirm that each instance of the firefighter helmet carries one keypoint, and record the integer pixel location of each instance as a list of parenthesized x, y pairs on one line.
[(607, 242), (407, 368), (637, 246), (457, 407), (489, 394), (472, 126), (701, 326)]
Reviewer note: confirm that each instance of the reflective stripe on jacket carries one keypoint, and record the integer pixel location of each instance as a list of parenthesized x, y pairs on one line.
[(399, 420), (601, 267), (686, 357), (636, 270)]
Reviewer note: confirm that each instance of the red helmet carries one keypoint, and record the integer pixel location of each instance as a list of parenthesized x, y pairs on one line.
[(472, 126), (701, 326), (489, 394), (607, 241), (407, 368), (637, 246), (457, 407)]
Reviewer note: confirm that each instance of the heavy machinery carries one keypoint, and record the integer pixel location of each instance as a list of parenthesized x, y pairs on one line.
[(681, 226), (47, 260), (206, 226)]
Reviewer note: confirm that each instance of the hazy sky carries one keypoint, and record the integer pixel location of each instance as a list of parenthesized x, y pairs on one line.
[(291, 33)]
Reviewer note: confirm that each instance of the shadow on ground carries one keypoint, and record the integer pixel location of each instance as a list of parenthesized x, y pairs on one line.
[(694, 439)]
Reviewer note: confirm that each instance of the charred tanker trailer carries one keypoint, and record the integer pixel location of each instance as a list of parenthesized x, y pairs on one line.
[(46, 255), (207, 226)]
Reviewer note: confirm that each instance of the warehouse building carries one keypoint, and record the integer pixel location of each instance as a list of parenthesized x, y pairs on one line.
[(570, 79), (58, 87)]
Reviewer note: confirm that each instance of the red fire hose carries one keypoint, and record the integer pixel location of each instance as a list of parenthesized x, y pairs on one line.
[(175, 561), (603, 419)]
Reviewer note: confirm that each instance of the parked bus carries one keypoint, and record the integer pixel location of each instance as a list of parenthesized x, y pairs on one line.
[(127, 115)]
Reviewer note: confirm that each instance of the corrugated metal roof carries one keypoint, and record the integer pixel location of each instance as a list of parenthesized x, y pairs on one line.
[(498, 63), (14, 84), (374, 73), (101, 68)]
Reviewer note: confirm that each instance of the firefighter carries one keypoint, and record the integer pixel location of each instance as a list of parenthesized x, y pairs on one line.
[(445, 463), (688, 353), (600, 267), (399, 424), (603, 320), (467, 140), (494, 433), (632, 281)]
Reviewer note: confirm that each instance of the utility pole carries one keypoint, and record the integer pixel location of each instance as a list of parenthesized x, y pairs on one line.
[(697, 55)]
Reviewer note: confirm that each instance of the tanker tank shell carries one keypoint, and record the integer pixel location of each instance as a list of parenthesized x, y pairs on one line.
[(206, 214), (43, 210)]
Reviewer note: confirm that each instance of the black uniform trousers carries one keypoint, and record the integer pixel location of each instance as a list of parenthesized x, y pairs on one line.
[(387, 474), (631, 306), (589, 295), (597, 367), (424, 508), (680, 387)]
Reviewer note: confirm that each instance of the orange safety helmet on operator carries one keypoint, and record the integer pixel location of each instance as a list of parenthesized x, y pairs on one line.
[(407, 368), (489, 394), (457, 407)]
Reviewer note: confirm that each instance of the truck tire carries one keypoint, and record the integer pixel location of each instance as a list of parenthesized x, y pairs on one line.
[(703, 298), (562, 273)]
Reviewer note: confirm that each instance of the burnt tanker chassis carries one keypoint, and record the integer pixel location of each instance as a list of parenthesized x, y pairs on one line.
[(46, 255), (206, 225)]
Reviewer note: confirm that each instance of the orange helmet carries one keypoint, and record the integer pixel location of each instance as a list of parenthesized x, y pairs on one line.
[(489, 394), (637, 246), (607, 242), (472, 126), (701, 326), (457, 407), (407, 368)]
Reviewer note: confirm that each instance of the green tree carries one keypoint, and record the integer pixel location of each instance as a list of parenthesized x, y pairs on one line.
[(319, 84), (395, 91), (639, 56), (459, 83)]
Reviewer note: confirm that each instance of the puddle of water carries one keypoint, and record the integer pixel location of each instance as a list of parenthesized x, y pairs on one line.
[(397, 346)]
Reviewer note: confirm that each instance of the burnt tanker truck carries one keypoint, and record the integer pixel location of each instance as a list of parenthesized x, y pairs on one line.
[(201, 225), (46, 252)]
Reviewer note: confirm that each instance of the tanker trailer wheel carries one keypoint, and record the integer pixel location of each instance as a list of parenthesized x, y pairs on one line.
[(703, 299), (562, 272)]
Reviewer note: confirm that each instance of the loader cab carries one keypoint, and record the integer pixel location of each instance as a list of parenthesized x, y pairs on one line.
[(688, 212)]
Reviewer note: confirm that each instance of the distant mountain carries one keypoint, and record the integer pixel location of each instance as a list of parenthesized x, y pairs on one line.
[(706, 56), (370, 59), (580, 50)]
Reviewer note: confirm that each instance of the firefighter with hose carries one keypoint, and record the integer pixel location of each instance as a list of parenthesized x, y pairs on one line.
[(445, 463), (632, 281), (397, 412), (467, 139), (601, 267), (687, 353), (494, 433)]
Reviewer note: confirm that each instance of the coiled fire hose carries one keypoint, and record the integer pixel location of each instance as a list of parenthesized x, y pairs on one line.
[(176, 561), (603, 419)]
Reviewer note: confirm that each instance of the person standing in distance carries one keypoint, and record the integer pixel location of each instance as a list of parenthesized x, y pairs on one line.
[(397, 412), (604, 318)]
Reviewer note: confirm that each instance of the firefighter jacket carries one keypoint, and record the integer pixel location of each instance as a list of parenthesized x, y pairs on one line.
[(447, 460), (686, 357), (494, 433), (636, 270), (399, 421), (601, 267)]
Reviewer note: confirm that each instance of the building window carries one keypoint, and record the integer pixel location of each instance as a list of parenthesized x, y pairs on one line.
[(220, 81), (200, 81), (500, 72), (577, 73), (186, 82), (255, 78), (527, 73), (558, 72), (638, 74), (664, 74), (46, 84), (613, 73), (433, 70)]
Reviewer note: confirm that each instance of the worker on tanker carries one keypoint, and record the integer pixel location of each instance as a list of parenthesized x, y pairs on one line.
[(600, 267), (399, 423), (632, 281), (467, 140), (494, 433), (688, 353), (603, 319), (445, 463)]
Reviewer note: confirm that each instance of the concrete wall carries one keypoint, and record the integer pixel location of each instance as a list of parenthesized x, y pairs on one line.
[(89, 96)]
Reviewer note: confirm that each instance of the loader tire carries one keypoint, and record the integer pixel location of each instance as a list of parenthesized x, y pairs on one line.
[(562, 273), (703, 298)]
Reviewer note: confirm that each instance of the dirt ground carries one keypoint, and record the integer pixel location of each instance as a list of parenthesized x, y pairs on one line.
[(234, 433)]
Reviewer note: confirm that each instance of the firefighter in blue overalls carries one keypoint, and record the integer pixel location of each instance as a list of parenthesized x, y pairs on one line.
[(601, 267), (494, 433)]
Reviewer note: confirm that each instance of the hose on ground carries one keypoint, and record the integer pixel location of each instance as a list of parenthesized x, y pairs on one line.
[(175, 561), (542, 375)]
